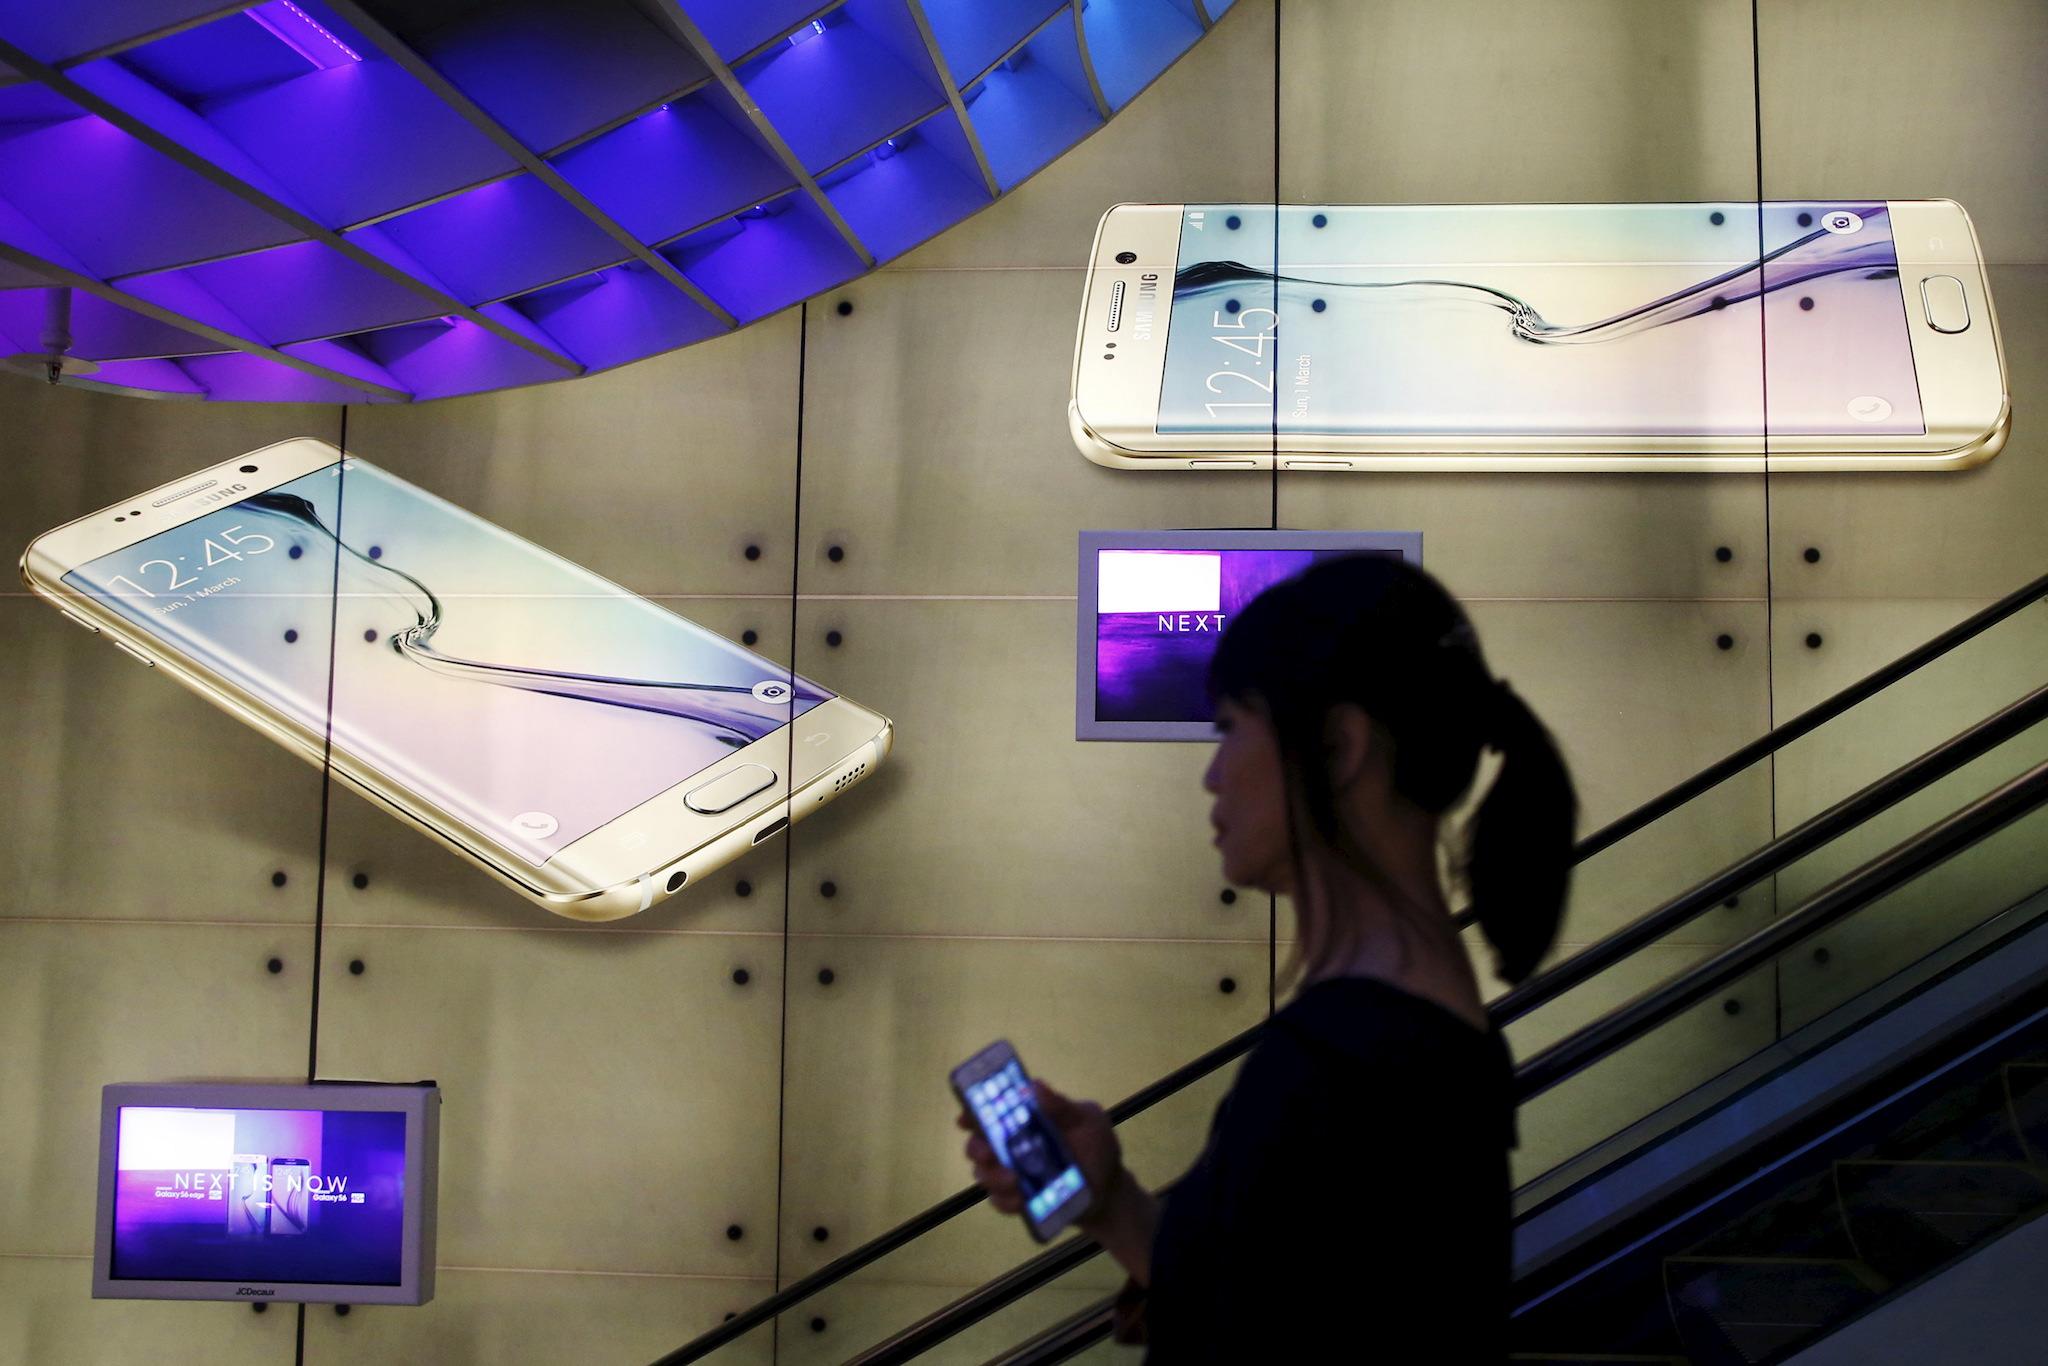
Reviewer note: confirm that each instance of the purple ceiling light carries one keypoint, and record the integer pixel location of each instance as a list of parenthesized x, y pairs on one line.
[(376, 201)]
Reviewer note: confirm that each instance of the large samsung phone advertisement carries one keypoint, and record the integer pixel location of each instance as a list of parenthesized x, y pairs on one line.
[(1153, 606), (508, 686), (259, 1196), (1732, 319)]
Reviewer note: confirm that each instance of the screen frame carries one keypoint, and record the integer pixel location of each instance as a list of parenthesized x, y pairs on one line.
[(1407, 544), (419, 1102)]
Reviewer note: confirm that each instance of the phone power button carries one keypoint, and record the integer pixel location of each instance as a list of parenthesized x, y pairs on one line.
[(134, 653), (78, 620)]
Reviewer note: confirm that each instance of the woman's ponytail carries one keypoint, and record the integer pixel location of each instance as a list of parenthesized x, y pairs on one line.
[(1519, 851)]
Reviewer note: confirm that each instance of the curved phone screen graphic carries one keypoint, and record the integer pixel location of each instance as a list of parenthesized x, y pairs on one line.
[(259, 1195), (1636, 319), (514, 689)]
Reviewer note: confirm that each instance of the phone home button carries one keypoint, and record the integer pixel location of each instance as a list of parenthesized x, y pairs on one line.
[(1947, 310), (728, 790)]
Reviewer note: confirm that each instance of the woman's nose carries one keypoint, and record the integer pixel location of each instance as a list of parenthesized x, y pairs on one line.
[(1212, 777)]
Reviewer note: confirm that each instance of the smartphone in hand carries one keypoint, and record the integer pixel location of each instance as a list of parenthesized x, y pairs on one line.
[(994, 1089)]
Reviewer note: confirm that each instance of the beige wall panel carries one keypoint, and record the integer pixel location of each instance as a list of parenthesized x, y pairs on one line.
[(657, 475), (1640, 696), (1421, 101), (1555, 536), (989, 817), (91, 1003), (1974, 534), (1910, 101), (414, 881), (1202, 132), (936, 452), (49, 1318), (132, 799), (868, 1118), (87, 450), (1686, 1051), (540, 1318), (608, 1096)]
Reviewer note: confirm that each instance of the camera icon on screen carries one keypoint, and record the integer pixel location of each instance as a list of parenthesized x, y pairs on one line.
[(1841, 221)]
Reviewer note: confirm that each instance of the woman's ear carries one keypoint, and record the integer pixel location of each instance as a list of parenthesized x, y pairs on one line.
[(1347, 744)]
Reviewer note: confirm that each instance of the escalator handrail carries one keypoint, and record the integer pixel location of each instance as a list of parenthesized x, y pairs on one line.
[(1889, 870), (1070, 1335), (1186, 1075)]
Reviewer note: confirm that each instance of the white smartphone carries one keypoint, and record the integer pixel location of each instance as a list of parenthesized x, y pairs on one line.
[(590, 749), (1686, 337), (994, 1089)]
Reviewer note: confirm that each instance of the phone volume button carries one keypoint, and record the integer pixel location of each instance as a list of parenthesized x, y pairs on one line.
[(134, 653), (81, 621)]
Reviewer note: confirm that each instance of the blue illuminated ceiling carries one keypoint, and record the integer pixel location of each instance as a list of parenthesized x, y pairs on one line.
[(388, 200)]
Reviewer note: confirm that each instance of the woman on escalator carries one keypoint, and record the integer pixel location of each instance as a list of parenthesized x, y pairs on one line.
[(1352, 1202)]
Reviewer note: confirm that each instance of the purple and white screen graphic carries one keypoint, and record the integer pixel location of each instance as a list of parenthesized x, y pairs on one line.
[(1158, 616), (303, 1196)]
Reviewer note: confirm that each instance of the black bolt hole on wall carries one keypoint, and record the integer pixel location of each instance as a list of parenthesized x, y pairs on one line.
[(1732, 902), (743, 888), (1229, 897), (259, 1306), (278, 879), (833, 638), (1813, 554), (828, 890), (844, 308), (835, 553), (750, 636), (341, 1311), (752, 552), (1813, 640), (733, 1233), (1821, 956), (740, 977), (360, 881), (355, 967), (825, 977), (820, 1234), (1731, 1006), (1723, 554), (1227, 985), (276, 965), (1725, 641)]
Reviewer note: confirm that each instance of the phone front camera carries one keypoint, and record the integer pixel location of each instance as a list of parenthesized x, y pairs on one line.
[(1125, 258)]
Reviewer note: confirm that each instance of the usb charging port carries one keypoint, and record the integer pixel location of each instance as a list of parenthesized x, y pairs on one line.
[(773, 828)]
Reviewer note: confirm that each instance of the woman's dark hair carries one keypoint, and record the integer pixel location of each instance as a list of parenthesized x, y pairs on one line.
[(1377, 632)]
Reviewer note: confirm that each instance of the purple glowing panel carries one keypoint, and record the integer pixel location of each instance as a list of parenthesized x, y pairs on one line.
[(550, 72), (838, 91), (503, 238), (1152, 606), (736, 27), (1035, 109), (259, 1196), (56, 33), (358, 141), (668, 171), (972, 33), (618, 316), (756, 265), (895, 199), (256, 379), (1133, 41), (308, 289)]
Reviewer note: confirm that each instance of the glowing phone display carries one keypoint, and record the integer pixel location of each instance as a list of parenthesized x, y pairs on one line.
[(1558, 319)]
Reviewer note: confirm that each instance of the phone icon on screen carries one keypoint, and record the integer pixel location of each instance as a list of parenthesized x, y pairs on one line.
[(290, 1200)]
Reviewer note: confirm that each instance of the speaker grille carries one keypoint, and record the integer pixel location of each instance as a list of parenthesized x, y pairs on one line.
[(840, 783)]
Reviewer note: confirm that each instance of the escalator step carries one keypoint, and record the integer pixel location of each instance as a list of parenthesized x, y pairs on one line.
[(1907, 1218), (1748, 1309)]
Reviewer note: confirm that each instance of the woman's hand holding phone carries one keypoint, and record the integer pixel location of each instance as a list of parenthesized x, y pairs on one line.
[(1087, 1132)]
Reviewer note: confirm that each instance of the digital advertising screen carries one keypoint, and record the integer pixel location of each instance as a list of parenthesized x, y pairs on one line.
[(232, 1190), (1153, 605)]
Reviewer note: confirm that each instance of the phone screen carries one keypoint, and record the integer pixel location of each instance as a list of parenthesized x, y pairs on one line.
[(1024, 1140), (519, 691), (288, 1202), (1558, 319)]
